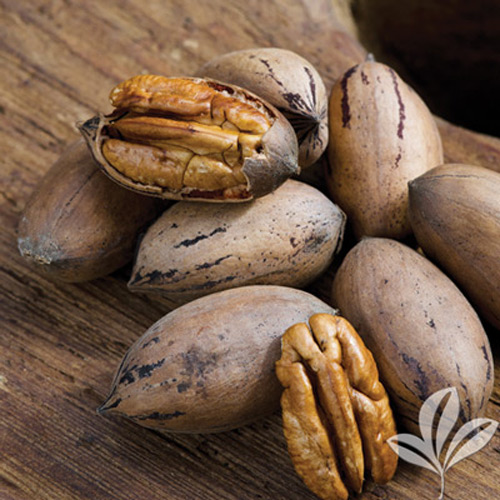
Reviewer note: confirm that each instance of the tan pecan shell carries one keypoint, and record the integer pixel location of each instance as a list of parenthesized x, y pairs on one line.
[(336, 413), (287, 81), (382, 135), (192, 138)]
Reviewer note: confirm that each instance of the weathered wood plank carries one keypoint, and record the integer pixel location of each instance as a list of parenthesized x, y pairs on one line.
[(60, 343)]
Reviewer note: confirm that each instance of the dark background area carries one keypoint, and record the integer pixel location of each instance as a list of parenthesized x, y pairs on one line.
[(449, 50)]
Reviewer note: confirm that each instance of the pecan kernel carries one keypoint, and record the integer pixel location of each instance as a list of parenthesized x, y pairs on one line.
[(191, 138), (336, 414)]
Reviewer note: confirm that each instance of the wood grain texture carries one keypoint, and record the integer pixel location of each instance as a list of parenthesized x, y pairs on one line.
[(61, 343), (461, 145)]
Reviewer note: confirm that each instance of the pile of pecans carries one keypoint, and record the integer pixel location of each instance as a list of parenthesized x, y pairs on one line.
[(243, 236)]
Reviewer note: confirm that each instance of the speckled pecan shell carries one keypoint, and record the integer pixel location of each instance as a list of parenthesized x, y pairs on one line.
[(208, 366), (420, 328), (287, 81), (192, 139), (288, 237)]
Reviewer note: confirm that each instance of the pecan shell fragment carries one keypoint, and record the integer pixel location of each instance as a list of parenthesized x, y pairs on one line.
[(192, 138), (336, 413)]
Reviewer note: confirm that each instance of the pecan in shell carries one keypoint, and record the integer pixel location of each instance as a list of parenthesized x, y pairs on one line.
[(287, 81)]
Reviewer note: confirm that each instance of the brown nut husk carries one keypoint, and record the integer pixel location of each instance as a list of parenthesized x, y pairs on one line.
[(208, 366), (192, 139), (422, 331), (287, 81), (382, 135), (455, 215), (336, 413), (288, 237), (78, 225)]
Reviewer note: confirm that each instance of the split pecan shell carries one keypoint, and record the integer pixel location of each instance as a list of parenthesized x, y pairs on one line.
[(192, 139), (336, 413)]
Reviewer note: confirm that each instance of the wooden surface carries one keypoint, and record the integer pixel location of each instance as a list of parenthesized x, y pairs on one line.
[(60, 343)]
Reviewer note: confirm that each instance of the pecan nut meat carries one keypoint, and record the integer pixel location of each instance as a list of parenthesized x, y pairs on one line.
[(192, 138), (336, 413)]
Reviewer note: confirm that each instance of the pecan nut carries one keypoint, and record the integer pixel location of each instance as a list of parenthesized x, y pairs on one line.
[(336, 413), (192, 138), (287, 81)]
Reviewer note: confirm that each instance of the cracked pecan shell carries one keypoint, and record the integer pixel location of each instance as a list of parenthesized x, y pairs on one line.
[(336, 413), (192, 139)]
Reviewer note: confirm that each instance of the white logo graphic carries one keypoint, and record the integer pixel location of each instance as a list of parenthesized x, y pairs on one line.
[(469, 439)]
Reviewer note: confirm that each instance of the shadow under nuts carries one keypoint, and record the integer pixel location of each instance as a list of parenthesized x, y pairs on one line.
[(287, 81), (192, 138), (382, 135), (421, 330), (455, 215), (336, 413), (288, 237), (78, 225), (208, 366)]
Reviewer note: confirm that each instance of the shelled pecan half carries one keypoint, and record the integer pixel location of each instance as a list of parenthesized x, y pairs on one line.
[(336, 413), (192, 138)]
